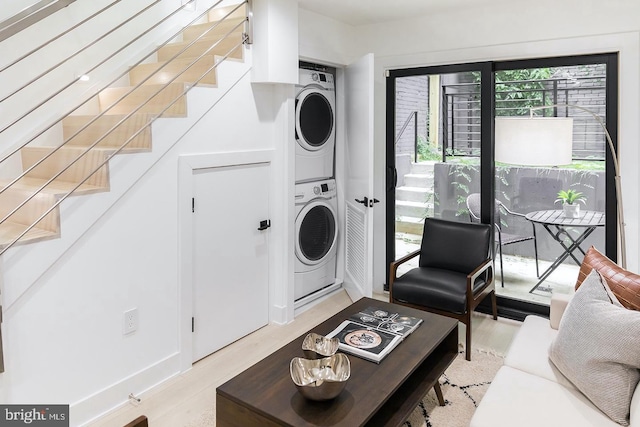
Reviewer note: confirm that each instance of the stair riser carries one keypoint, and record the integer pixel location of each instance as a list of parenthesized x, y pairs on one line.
[(154, 103), (47, 228), (220, 12), (198, 48), (117, 137), (414, 196), (422, 168), (178, 71), (408, 227), (63, 158), (412, 211), (193, 32), (420, 181)]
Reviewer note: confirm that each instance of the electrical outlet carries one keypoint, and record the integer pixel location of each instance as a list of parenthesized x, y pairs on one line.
[(130, 321)]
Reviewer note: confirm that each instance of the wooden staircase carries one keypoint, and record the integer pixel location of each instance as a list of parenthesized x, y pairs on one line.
[(81, 165)]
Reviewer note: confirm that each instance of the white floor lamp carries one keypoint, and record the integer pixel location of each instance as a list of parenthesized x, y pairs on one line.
[(547, 141)]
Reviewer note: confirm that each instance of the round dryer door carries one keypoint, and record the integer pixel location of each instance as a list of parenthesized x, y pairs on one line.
[(314, 119), (316, 232)]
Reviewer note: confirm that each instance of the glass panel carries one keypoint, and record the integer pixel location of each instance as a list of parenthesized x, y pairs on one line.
[(525, 193), (437, 152)]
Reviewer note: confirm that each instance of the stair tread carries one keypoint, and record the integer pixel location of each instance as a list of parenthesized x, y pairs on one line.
[(193, 31), (414, 189), (182, 69), (56, 187), (145, 88), (81, 119), (410, 219), (85, 134), (413, 204), (223, 47), (9, 231), (151, 98), (419, 175)]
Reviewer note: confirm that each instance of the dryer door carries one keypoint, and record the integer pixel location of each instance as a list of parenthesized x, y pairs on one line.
[(316, 232), (314, 118)]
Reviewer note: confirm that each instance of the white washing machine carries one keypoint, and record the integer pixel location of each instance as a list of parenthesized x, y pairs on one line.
[(315, 126), (316, 233)]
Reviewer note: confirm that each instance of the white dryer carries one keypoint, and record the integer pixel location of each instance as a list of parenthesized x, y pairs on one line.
[(316, 233), (315, 126)]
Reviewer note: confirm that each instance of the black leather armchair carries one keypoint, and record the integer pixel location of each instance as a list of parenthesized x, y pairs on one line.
[(455, 272)]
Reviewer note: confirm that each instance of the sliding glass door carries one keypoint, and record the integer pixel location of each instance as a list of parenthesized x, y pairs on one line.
[(442, 162), (435, 140)]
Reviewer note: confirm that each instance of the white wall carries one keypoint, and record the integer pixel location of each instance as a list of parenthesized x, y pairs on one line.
[(516, 31)]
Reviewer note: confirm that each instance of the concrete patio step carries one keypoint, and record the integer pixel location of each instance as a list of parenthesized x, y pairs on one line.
[(423, 180), (414, 194), (413, 209)]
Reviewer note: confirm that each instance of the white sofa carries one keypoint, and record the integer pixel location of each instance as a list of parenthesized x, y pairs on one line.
[(528, 391)]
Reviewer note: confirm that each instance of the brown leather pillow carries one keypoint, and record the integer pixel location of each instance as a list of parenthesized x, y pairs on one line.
[(624, 284)]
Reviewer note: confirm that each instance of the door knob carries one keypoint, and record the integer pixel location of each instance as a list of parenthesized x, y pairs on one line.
[(264, 224)]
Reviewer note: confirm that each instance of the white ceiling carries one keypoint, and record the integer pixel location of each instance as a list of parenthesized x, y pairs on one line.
[(363, 12)]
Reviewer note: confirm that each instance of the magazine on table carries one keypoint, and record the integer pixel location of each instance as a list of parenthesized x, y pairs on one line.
[(373, 332)]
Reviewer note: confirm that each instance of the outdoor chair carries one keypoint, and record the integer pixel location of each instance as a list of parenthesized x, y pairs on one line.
[(454, 273), (503, 238)]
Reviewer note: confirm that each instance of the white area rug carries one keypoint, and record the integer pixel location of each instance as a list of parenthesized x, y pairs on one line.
[(463, 386)]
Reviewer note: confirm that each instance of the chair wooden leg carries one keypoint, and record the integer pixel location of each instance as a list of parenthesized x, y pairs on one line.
[(494, 305), (468, 324), (439, 395)]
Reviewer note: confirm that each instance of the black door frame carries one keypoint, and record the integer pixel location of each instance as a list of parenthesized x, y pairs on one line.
[(507, 307)]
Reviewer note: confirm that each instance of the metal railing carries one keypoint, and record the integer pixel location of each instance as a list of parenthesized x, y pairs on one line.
[(29, 16), (461, 112), (61, 197), (413, 116)]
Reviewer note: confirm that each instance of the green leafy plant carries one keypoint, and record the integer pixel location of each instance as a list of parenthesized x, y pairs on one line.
[(570, 197)]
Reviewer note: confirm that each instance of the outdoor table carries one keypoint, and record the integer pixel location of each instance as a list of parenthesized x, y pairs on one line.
[(557, 224)]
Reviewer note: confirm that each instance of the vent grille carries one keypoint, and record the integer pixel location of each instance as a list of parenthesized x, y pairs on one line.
[(356, 244)]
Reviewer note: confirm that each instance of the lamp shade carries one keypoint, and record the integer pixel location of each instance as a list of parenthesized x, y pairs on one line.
[(534, 141)]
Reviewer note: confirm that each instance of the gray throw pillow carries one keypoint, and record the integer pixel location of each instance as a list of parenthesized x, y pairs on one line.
[(598, 348)]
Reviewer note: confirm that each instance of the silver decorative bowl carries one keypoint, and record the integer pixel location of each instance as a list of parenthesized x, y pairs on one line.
[(315, 346), (320, 379)]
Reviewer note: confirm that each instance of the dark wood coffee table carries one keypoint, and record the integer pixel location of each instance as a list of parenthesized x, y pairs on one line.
[(382, 394)]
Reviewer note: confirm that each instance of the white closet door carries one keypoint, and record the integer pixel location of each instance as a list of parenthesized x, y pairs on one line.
[(230, 254)]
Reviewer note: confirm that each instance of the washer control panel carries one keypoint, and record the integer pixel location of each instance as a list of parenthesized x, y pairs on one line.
[(316, 78), (321, 77), (310, 190)]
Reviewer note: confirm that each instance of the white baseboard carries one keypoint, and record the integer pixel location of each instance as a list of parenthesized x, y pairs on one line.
[(116, 395)]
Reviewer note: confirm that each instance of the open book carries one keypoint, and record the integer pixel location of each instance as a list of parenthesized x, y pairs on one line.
[(372, 333)]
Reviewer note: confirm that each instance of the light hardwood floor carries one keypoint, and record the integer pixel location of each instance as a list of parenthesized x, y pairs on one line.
[(185, 397)]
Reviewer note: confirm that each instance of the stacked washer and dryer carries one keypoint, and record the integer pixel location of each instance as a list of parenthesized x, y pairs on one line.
[(316, 224)]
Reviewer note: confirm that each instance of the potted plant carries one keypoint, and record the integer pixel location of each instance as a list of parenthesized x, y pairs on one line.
[(570, 202)]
